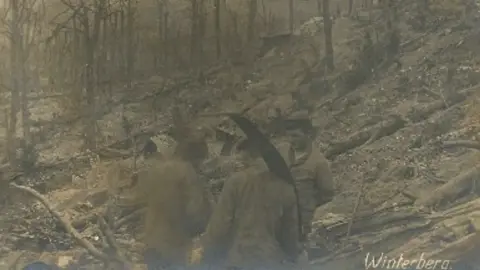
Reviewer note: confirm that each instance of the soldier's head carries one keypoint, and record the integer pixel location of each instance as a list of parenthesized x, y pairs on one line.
[(301, 131), (300, 140), (246, 152), (193, 147)]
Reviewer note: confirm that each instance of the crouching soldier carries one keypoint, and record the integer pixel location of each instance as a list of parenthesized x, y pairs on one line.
[(178, 206), (254, 224)]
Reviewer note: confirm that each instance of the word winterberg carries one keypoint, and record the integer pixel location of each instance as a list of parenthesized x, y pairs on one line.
[(382, 261)]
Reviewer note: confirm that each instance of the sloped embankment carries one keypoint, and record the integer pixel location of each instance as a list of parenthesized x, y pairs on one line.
[(405, 163), (386, 140)]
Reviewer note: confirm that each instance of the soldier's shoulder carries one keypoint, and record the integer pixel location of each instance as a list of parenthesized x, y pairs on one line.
[(241, 176), (244, 177), (173, 162), (172, 167)]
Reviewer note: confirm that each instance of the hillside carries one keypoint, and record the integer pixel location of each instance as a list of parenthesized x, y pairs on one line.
[(402, 142)]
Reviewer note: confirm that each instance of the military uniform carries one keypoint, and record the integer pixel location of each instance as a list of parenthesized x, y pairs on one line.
[(312, 175), (254, 224), (178, 207), (314, 181)]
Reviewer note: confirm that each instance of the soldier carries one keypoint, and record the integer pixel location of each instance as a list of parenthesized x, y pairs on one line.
[(313, 177), (178, 206), (254, 224)]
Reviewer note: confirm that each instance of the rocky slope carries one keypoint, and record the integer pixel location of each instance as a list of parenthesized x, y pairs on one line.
[(402, 187)]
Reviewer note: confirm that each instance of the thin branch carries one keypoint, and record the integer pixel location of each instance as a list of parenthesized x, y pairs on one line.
[(132, 216), (63, 25), (109, 237), (66, 224)]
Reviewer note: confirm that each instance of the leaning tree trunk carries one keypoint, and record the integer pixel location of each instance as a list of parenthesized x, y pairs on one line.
[(194, 34), (130, 38), (350, 7), (15, 40)]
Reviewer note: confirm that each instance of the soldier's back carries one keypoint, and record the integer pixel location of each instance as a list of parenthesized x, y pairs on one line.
[(256, 202), (177, 208)]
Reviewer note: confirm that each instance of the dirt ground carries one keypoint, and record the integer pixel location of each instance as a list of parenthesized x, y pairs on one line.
[(401, 187)]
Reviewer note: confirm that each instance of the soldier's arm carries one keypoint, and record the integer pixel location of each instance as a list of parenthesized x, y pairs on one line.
[(289, 233), (199, 205), (324, 182), (216, 238)]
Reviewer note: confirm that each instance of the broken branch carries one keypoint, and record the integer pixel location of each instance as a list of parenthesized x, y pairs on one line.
[(66, 224)]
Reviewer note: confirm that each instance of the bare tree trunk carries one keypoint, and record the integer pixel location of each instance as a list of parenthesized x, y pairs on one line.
[(15, 42), (291, 16), (91, 37), (252, 15), (202, 28), (122, 37), (319, 7), (90, 133), (114, 44), (218, 29), (160, 32), (130, 41), (24, 95), (75, 52), (107, 56), (194, 28), (26, 41), (350, 7), (166, 47), (265, 13), (327, 25)]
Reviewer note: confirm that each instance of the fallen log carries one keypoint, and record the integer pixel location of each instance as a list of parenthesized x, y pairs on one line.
[(373, 238), (375, 221), (450, 239), (456, 249), (370, 134), (387, 128), (461, 209), (423, 111), (462, 143), (451, 190)]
